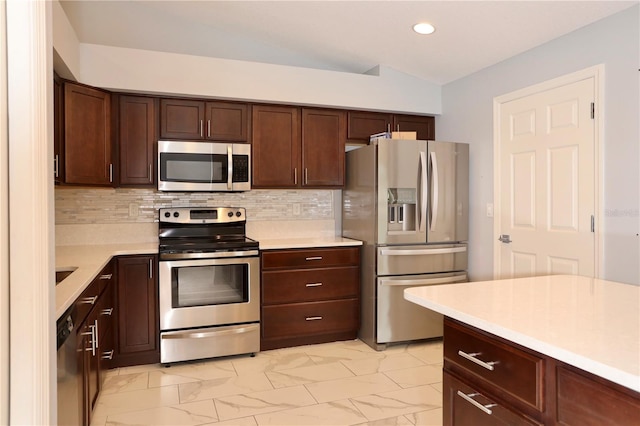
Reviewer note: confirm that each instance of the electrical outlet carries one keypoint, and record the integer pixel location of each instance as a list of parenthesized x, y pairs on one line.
[(489, 209), (133, 210), (296, 209)]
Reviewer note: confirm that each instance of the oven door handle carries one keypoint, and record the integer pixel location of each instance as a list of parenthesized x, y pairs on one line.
[(207, 334)]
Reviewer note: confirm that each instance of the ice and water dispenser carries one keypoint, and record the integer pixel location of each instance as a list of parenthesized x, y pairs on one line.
[(401, 209)]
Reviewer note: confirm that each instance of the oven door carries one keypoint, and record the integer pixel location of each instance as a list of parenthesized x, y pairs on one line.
[(209, 292)]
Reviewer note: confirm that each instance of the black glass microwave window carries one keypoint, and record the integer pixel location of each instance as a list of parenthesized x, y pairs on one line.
[(199, 168), (209, 285)]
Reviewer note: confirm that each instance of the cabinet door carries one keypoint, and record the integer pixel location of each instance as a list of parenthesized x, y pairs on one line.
[(361, 125), (226, 121), (323, 140), (276, 146), (137, 137), (106, 319), (137, 311), (423, 126), (58, 131), (181, 119), (87, 135), (89, 364)]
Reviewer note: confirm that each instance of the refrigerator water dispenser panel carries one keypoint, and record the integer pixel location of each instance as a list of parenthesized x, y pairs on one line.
[(401, 209)]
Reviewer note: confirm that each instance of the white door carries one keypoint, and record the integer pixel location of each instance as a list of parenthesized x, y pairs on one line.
[(547, 182)]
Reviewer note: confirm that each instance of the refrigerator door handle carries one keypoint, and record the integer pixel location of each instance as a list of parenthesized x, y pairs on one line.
[(434, 201), (423, 281), (386, 251), (422, 192)]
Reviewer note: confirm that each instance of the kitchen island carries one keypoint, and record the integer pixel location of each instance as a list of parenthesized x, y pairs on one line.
[(573, 344)]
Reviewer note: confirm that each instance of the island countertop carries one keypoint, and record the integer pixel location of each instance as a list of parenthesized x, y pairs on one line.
[(589, 323)]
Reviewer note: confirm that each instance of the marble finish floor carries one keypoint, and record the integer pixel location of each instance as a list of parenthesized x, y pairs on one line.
[(340, 383)]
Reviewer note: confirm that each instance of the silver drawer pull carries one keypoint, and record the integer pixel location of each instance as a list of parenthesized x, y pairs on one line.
[(469, 399), (107, 311), (313, 318), (107, 354), (106, 276), (89, 300), (314, 258), (313, 284), (472, 357)]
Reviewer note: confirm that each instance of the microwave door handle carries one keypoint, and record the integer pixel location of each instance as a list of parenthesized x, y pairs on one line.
[(230, 167), (422, 192)]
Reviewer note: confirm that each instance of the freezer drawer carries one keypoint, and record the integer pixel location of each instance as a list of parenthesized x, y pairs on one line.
[(399, 320), (421, 259)]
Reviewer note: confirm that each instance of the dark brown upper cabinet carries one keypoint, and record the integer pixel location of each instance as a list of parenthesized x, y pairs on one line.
[(362, 124), (87, 136), (323, 141), (422, 125), (137, 124), (198, 120)]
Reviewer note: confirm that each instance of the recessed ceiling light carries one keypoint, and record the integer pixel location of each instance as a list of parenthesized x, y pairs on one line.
[(423, 28)]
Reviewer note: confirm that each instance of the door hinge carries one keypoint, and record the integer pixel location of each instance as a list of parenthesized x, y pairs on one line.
[(593, 223), (593, 110)]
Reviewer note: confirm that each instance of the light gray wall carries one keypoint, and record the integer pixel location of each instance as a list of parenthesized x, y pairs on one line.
[(467, 116)]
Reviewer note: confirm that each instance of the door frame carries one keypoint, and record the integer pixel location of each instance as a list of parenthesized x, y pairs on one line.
[(597, 73)]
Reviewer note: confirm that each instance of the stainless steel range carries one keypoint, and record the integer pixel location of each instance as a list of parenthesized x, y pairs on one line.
[(209, 284)]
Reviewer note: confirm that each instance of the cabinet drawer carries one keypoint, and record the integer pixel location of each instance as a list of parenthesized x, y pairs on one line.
[(584, 401), (302, 319), (464, 405), (87, 300), (309, 285), (313, 258), (516, 372)]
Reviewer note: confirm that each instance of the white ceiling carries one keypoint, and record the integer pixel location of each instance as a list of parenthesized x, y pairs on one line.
[(348, 36)]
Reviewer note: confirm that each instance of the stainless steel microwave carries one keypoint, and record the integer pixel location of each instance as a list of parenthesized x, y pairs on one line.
[(203, 166)]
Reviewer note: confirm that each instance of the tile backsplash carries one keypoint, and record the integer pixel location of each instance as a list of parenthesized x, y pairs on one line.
[(124, 205)]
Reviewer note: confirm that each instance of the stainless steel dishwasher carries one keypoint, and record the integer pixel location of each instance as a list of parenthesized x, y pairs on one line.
[(69, 376)]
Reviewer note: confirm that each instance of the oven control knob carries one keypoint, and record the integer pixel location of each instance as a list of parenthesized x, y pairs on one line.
[(230, 214), (167, 214), (238, 214), (176, 214)]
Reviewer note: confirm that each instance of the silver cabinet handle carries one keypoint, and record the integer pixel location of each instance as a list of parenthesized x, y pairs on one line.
[(313, 284), (94, 337), (106, 276), (150, 172), (107, 354), (110, 172), (313, 318), (107, 311), (89, 300), (469, 399), (313, 258), (208, 128), (306, 176), (295, 175), (56, 170), (150, 268), (201, 134), (472, 357)]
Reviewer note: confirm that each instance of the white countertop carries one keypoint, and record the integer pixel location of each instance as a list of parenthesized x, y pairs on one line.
[(589, 323), (89, 259), (308, 242)]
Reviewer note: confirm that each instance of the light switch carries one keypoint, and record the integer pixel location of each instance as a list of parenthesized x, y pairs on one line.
[(489, 209), (133, 210)]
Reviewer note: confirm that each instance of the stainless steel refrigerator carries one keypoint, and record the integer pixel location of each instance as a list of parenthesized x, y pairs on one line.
[(407, 200)]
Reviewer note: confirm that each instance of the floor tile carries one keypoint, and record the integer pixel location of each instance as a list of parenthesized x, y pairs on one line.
[(276, 361), (125, 383), (330, 413), (136, 400), (387, 363), (244, 421), (426, 418), (416, 376), (194, 413), (311, 374), (430, 352), (397, 403), (230, 407), (334, 390), (392, 421), (223, 386)]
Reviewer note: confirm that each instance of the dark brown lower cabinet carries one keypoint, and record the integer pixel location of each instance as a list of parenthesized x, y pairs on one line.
[(488, 380), (138, 338)]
